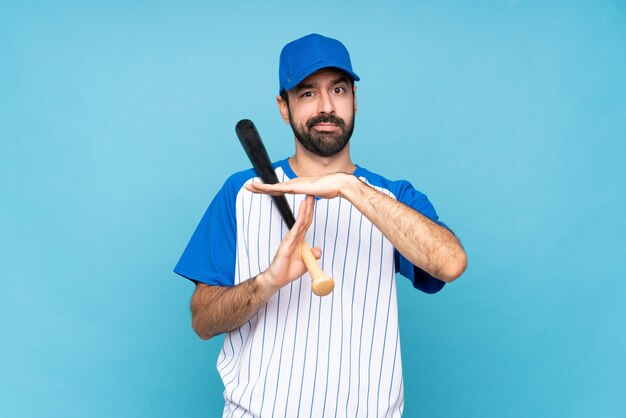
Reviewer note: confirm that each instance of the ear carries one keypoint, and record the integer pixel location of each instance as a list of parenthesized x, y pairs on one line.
[(354, 97), (283, 108)]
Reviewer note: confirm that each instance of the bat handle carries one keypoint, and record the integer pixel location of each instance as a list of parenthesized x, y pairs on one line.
[(321, 283)]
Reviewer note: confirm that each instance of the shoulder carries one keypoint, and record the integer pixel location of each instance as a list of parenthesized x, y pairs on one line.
[(398, 188), (402, 190), (237, 180), (234, 184)]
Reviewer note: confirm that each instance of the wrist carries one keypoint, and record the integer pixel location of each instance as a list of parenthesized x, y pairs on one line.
[(265, 287), (351, 188)]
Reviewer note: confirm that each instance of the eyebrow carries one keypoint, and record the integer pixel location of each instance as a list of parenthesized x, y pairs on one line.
[(340, 79), (303, 86)]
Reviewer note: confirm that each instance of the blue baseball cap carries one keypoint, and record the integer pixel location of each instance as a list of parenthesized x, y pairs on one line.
[(302, 57)]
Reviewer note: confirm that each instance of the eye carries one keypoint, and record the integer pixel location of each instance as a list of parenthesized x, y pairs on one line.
[(307, 94), (339, 90)]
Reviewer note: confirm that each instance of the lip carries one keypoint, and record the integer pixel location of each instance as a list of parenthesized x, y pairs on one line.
[(325, 126)]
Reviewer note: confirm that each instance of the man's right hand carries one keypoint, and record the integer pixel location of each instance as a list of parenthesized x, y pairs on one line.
[(218, 309), (287, 265)]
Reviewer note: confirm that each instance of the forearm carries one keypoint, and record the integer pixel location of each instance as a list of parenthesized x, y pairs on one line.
[(217, 309), (426, 244)]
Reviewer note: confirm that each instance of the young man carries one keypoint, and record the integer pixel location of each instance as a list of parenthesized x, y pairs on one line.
[(288, 352)]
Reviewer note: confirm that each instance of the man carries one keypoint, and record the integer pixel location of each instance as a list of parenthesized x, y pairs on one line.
[(288, 352)]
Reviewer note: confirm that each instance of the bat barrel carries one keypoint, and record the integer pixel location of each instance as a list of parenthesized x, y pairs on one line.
[(257, 154), (254, 148)]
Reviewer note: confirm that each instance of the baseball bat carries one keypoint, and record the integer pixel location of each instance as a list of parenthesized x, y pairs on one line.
[(321, 283)]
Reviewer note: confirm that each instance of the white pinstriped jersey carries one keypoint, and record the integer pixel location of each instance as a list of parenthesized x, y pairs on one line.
[(301, 354)]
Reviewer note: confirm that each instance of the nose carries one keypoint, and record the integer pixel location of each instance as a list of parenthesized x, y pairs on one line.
[(325, 104)]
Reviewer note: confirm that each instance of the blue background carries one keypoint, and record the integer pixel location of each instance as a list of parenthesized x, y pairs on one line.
[(117, 128)]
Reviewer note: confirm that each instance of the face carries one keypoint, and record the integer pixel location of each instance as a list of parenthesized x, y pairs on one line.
[(321, 112)]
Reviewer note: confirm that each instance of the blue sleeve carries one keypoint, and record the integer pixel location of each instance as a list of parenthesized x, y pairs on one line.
[(210, 254), (418, 201)]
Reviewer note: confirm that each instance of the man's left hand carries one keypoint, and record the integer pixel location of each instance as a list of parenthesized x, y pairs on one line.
[(328, 186)]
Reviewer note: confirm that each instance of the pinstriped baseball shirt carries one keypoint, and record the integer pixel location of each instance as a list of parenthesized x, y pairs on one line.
[(303, 355)]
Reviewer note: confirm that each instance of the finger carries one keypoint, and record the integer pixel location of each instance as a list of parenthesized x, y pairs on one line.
[(303, 213), (303, 221), (275, 189), (297, 227), (317, 252), (294, 186), (294, 237), (310, 210), (263, 189)]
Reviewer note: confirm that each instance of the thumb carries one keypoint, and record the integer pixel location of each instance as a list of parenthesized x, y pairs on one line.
[(317, 252)]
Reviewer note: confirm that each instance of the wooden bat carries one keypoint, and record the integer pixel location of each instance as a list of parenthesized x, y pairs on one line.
[(321, 283)]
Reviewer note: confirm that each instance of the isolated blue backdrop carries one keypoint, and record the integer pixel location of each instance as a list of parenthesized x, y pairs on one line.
[(117, 128)]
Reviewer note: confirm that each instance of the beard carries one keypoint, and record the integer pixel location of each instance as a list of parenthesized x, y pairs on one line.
[(323, 143)]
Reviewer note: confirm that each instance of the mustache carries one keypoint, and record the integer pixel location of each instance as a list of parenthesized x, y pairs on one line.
[(325, 119)]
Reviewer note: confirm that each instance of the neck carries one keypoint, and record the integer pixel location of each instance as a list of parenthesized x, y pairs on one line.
[(306, 164)]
